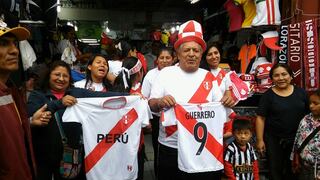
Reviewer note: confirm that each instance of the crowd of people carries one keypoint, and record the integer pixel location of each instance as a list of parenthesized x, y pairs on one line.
[(191, 100)]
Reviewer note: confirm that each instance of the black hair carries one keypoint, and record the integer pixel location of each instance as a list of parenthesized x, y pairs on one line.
[(241, 124), (105, 82), (65, 29), (118, 85), (126, 46), (44, 84), (155, 46), (168, 49), (204, 64), (285, 66), (315, 92)]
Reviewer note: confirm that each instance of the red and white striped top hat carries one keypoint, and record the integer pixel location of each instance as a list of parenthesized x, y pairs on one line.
[(190, 31)]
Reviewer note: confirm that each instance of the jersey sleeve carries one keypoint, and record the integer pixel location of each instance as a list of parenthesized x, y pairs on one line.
[(76, 113), (229, 161), (228, 170), (145, 114), (146, 87), (229, 155), (168, 117)]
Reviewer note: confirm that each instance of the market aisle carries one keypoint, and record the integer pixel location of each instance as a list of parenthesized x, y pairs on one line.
[(148, 165)]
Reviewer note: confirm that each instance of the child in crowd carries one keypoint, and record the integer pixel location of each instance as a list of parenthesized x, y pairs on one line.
[(307, 166), (240, 160)]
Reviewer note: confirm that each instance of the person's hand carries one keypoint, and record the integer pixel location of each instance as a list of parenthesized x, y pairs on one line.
[(261, 147), (166, 102), (227, 99), (69, 100), (41, 117), (295, 163), (147, 129)]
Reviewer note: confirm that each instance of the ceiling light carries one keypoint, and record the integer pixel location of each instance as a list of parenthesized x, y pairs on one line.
[(193, 1), (90, 41)]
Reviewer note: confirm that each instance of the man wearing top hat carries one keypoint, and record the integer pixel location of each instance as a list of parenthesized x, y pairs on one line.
[(181, 84), (16, 153)]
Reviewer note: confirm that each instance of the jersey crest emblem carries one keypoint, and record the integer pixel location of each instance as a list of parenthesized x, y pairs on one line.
[(207, 85)]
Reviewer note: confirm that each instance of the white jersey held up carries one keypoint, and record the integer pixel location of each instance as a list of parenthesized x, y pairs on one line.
[(195, 87), (200, 135), (111, 132)]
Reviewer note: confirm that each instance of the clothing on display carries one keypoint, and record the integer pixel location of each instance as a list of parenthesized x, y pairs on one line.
[(111, 134), (267, 13), (249, 9), (246, 53), (236, 15)]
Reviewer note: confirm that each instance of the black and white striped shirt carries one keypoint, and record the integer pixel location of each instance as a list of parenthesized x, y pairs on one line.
[(242, 161)]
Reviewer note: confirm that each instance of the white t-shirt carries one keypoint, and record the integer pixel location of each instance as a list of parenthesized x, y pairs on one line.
[(267, 13), (115, 67), (182, 86), (148, 81), (111, 132), (91, 85), (200, 135)]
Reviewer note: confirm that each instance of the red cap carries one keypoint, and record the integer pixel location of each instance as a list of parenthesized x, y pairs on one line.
[(270, 39), (190, 31)]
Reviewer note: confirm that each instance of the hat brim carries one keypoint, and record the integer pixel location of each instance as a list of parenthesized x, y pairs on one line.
[(20, 33), (188, 39), (272, 43)]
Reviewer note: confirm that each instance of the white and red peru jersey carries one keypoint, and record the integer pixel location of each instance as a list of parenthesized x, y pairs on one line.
[(267, 13), (196, 87), (223, 83), (200, 135), (111, 132)]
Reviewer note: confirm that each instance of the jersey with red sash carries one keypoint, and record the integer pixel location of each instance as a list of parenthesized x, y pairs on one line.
[(196, 87), (111, 130), (200, 135), (219, 75)]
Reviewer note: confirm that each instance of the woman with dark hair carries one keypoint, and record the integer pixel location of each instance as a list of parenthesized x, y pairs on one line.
[(57, 91), (164, 59), (210, 61), (96, 74), (280, 110)]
